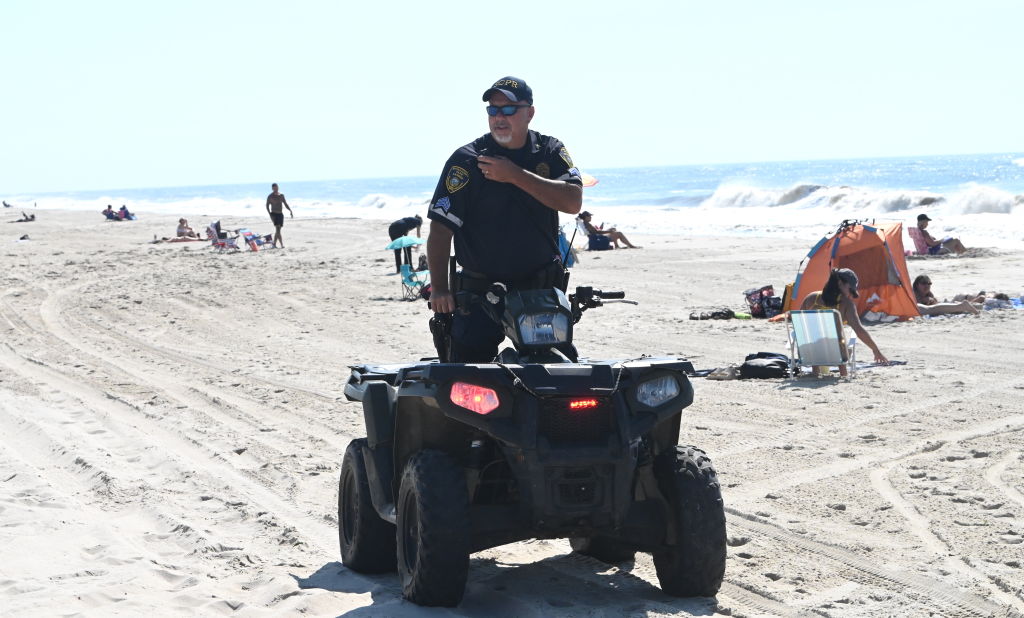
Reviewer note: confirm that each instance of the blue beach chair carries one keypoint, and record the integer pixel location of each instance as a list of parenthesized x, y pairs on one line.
[(413, 282)]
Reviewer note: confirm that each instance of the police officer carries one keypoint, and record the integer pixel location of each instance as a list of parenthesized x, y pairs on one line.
[(497, 199), (400, 228)]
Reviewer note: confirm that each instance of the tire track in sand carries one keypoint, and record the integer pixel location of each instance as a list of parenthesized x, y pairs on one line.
[(994, 476), (965, 603)]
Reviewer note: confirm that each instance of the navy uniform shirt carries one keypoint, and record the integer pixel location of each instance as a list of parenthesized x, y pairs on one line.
[(499, 229)]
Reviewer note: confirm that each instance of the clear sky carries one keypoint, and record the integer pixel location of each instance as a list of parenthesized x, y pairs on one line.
[(110, 95)]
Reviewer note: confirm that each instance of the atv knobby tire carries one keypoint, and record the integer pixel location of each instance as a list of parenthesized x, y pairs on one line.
[(433, 530), (695, 565), (603, 548), (367, 541)]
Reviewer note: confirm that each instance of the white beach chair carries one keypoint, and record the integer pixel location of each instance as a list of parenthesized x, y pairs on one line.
[(816, 339)]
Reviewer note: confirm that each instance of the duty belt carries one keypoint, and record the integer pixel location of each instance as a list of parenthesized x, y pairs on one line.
[(552, 275)]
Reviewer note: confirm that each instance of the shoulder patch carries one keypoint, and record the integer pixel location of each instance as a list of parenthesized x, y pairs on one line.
[(543, 170), (456, 179), (565, 156), (443, 204)]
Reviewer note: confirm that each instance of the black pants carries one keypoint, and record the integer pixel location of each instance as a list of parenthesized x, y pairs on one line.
[(475, 336), (395, 233)]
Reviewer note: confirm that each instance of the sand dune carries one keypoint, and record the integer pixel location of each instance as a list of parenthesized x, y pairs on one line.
[(173, 423)]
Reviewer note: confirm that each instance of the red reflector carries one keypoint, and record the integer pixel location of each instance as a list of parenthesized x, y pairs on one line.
[(582, 404), (475, 398)]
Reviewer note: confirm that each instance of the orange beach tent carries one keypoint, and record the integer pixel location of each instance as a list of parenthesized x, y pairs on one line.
[(875, 254)]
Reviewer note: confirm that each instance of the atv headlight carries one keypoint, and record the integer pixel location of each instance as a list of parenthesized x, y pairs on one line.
[(543, 328), (653, 393)]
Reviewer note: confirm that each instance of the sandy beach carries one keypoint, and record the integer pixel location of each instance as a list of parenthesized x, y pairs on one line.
[(173, 424)]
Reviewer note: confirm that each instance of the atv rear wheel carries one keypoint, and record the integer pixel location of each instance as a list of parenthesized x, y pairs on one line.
[(433, 530), (695, 565), (603, 548), (367, 541)]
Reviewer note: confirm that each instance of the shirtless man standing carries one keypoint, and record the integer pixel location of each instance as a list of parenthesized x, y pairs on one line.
[(274, 202)]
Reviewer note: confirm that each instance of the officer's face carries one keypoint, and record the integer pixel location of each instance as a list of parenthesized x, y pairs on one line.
[(510, 131)]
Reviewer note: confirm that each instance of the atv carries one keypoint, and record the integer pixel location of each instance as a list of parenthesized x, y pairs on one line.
[(540, 443)]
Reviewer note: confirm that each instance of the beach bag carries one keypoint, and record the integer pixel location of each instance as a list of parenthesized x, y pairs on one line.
[(767, 355), (755, 298), (772, 306), (764, 368), (597, 242)]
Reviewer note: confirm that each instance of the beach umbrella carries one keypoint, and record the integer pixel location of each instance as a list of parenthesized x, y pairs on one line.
[(588, 180), (403, 242)]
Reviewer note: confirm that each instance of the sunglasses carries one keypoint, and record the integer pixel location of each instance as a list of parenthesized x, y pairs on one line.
[(506, 110)]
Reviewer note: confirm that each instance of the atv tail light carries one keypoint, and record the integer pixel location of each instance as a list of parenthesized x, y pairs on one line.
[(653, 393), (474, 398), (582, 404)]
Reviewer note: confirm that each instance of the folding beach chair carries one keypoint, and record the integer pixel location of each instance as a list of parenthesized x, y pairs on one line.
[(919, 244), (220, 239), (255, 241), (413, 282), (816, 339)]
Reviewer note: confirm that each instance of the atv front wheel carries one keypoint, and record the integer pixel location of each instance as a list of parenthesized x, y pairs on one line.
[(433, 530), (603, 548), (695, 565), (367, 541)]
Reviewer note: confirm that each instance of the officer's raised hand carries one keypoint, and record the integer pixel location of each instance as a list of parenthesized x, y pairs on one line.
[(498, 168)]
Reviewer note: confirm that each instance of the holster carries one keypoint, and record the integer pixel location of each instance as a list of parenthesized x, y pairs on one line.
[(441, 330)]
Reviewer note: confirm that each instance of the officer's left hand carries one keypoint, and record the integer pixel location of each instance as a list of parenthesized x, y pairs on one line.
[(498, 169)]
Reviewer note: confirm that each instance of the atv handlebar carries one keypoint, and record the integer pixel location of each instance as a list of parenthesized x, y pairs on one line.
[(584, 298)]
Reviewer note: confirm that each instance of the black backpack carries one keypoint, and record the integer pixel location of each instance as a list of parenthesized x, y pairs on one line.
[(764, 365)]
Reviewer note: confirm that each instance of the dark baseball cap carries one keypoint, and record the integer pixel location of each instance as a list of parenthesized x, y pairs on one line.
[(848, 277), (923, 218), (513, 88)]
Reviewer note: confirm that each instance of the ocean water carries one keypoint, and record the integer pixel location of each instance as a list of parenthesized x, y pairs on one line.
[(979, 198)]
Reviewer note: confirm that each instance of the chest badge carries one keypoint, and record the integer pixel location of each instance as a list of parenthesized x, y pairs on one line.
[(456, 179), (543, 170)]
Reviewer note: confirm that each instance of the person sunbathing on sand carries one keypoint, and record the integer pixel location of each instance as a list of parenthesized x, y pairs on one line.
[(611, 234), (185, 230), (927, 304), (24, 218)]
